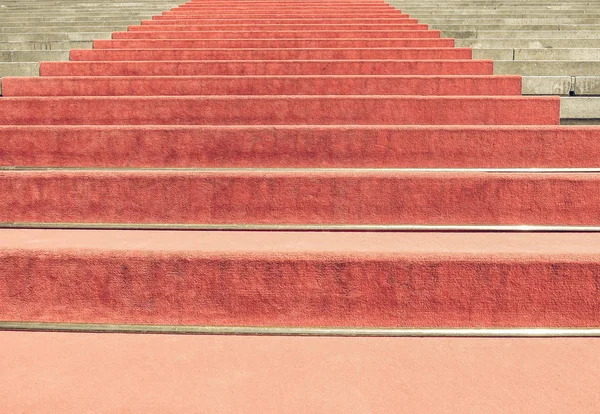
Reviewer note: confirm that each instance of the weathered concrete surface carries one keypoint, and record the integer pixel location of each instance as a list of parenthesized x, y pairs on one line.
[(554, 44)]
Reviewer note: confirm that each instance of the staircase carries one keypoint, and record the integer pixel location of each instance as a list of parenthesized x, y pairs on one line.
[(292, 164)]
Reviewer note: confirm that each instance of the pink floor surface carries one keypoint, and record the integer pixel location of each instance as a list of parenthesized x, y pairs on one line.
[(119, 373)]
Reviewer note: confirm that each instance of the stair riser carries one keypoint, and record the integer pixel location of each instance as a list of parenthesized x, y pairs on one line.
[(288, 110), (265, 27), (332, 67), (282, 6), (270, 43), (293, 14), (309, 197), (297, 21), (129, 86), (322, 10), (381, 34), (271, 54), (296, 290), (309, 147)]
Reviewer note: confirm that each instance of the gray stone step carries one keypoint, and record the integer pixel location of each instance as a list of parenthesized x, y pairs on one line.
[(585, 109), (511, 21), (561, 85), (503, 15), (87, 13), (32, 56), (19, 69), (522, 34), (547, 68), (539, 43), (60, 29), (581, 54), (54, 37), (68, 22), (49, 45)]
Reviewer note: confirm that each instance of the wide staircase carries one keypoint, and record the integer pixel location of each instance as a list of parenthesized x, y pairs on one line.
[(285, 164)]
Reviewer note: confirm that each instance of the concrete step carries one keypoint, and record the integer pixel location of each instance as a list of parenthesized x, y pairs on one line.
[(280, 110), (547, 68), (70, 25), (51, 30), (69, 13), (263, 85), (449, 14), (586, 109), (522, 34), (474, 27), (313, 278), (45, 45), (32, 56), (53, 37), (511, 21), (19, 69), (577, 55), (310, 146), (270, 67), (538, 43)]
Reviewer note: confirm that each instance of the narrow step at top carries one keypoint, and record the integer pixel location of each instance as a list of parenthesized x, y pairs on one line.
[(280, 110)]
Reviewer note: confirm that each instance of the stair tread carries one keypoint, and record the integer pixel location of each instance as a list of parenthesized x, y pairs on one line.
[(542, 246)]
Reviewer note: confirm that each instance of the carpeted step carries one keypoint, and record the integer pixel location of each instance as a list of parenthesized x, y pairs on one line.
[(281, 26), (293, 14), (268, 67), (291, 20), (281, 34), (300, 279), (280, 110), (313, 146), (270, 54), (271, 43), (301, 197), (264, 85)]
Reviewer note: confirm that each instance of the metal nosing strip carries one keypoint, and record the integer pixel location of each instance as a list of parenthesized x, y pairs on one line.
[(303, 331), (304, 227)]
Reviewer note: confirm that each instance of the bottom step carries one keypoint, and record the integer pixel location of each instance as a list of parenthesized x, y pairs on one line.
[(300, 278), (104, 373)]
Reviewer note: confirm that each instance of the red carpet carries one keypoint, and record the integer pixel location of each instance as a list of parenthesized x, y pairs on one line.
[(247, 93)]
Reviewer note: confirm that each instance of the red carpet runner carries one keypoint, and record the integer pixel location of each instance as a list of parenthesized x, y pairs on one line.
[(275, 113)]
